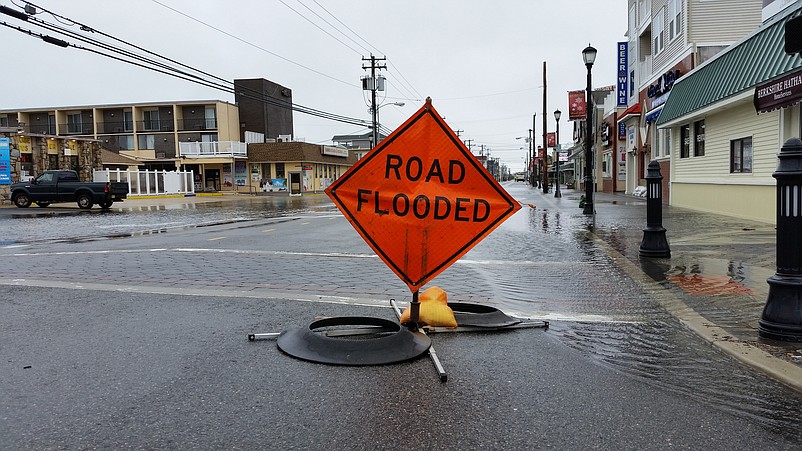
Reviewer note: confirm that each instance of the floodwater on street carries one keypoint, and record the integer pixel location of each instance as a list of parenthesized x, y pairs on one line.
[(131, 217), (540, 263)]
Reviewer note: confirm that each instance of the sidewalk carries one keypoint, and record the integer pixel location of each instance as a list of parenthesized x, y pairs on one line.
[(714, 281)]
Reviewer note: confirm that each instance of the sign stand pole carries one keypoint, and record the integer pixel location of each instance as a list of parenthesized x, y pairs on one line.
[(414, 310), (413, 319)]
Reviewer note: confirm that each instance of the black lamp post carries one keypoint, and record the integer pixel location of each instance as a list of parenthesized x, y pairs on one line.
[(557, 192), (536, 168), (589, 55), (782, 315)]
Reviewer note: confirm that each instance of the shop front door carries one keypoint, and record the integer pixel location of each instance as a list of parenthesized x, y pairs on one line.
[(212, 180), (295, 183)]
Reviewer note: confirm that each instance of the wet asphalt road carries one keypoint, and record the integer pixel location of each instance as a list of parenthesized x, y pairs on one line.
[(127, 329)]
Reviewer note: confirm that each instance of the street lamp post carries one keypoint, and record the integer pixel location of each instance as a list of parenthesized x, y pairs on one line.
[(530, 170), (535, 160), (557, 192), (376, 123), (589, 55)]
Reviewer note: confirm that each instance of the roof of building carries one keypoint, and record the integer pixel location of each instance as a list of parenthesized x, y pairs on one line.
[(634, 110), (294, 151), (112, 105), (363, 136), (109, 157), (757, 58)]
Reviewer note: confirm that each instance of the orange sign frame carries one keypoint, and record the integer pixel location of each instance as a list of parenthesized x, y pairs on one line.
[(420, 199)]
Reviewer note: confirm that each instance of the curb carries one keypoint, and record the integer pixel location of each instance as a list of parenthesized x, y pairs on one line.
[(743, 351)]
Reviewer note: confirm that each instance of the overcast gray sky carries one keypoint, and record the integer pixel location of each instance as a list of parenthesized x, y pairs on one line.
[(480, 61)]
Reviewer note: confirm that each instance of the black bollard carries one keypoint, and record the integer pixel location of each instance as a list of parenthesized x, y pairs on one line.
[(782, 315), (654, 243)]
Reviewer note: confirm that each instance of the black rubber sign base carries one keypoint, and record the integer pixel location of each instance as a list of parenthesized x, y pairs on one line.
[(392, 343)]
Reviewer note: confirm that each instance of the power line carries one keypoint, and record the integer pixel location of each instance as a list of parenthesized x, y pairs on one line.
[(419, 99), (148, 63), (416, 96), (319, 27), (252, 44), (347, 28), (332, 26)]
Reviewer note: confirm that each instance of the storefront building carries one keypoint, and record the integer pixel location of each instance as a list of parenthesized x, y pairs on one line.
[(726, 121), (295, 167), (31, 154), (667, 39)]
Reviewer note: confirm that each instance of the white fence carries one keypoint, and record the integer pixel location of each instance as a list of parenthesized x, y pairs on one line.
[(199, 149), (150, 183)]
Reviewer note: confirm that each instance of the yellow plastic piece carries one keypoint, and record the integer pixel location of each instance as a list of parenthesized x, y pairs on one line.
[(434, 309)]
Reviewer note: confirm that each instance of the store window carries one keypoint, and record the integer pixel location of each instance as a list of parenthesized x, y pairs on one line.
[(210, 117), (128, 121), (699, 138), (665, 141), (26, 166), (151, 120), (52, 161), (147, 142), (658, 26), (685, 141), (741, 155), (280, 170), (74, 123), (674, 19), (125, 142)]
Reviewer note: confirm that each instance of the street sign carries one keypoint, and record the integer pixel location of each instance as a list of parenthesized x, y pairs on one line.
[(421, 199), (5, 161)]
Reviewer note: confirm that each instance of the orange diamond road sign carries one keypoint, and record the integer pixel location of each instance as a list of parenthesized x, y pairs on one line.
[(421, 199)]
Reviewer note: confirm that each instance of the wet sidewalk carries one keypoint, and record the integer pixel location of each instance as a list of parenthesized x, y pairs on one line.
[(714, 281)]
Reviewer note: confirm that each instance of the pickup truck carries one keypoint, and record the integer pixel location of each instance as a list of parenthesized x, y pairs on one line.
[(65, 186)]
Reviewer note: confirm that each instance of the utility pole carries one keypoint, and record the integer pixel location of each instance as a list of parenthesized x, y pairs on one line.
[(536, 161), (373, 84), (545, 138), (531, 166), (469, 143), (458, 132)]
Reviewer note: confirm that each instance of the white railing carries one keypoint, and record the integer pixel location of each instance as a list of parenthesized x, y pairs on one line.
[(199, 149), (149, 183)]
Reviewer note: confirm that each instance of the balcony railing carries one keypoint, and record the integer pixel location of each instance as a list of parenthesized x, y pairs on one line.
[(165, 125), (143, 183), (215, 149), (76, 129), (39, 129), (115, 127), (197, 124)]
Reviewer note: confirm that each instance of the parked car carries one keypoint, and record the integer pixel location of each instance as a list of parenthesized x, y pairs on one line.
[(65, 186)]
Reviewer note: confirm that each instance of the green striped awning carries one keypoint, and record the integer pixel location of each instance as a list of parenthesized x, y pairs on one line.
[(756, 59)]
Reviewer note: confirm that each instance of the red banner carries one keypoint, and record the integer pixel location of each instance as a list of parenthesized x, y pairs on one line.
[(576, 105), (551, 139)]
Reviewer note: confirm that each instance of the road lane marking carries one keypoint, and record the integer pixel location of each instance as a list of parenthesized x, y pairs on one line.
[(506, 263), (218, 238), (298, 295), (268, 230)]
